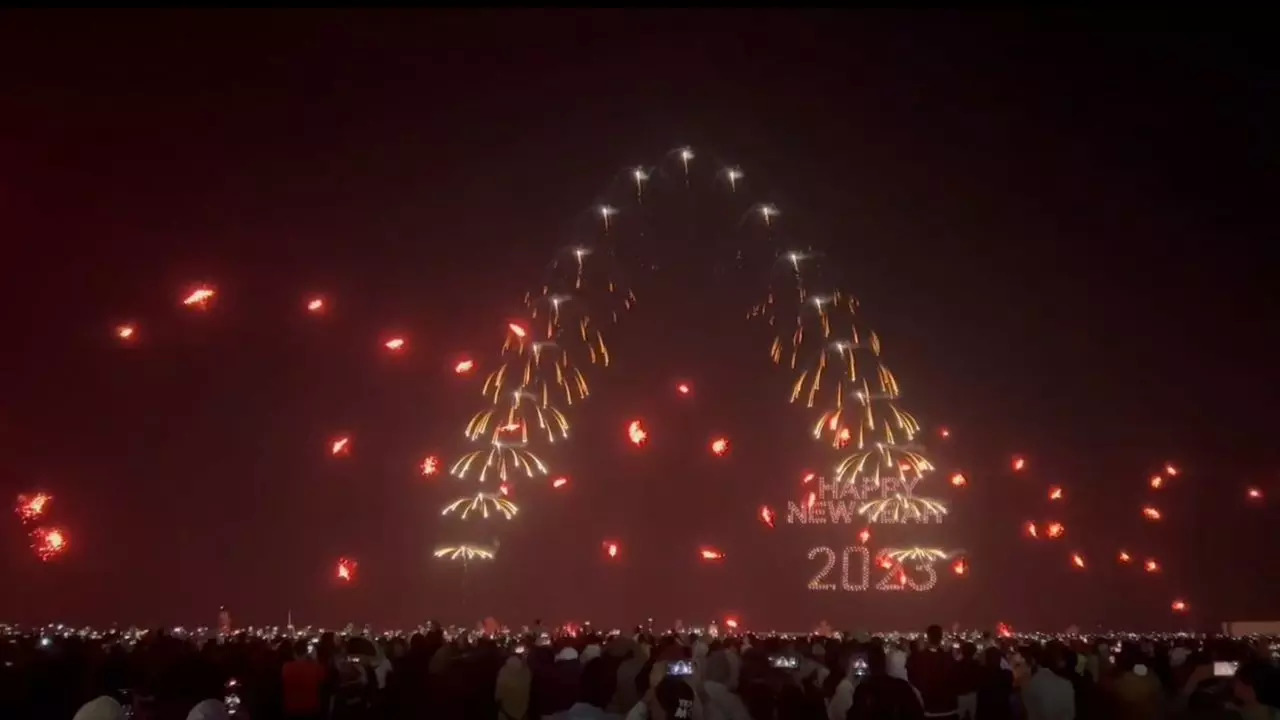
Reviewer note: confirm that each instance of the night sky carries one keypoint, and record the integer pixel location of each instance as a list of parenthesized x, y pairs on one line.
[(1058, 230)]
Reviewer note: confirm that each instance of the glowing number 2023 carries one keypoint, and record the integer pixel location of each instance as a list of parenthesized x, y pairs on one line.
[(819, 581), (896, 577)]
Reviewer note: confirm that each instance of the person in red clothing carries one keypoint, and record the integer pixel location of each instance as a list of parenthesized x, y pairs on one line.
[(303, 680), (932, 671)]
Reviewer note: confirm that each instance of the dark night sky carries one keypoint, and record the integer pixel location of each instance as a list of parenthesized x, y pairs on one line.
[(1059, 232)]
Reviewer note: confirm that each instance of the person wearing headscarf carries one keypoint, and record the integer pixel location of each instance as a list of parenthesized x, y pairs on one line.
[(721, 703), (209, 710), (512, 690), (103, 707), (884, 694), (625, 696)]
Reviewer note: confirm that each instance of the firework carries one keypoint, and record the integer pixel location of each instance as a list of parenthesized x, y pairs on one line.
[(395, 344), (960, 566), (1018, 463), (720, 447), (1077, 560), (49, 542), (640, 176), (684, 388), (606, 212), (686, 155), (340, 446), (482, 505), (864, 535), (503, 458), (559, 482), (1055, 530), (611, 549), (199, 297), (1151, 513), (1055, 493), (959, 480), (733, 175), (345, 570), (1124, 557), (1151, 566), (463, 552), (32, 507), (710, 554), (636, 433), (1179, 606), (126, 332), (524, 410), (902, 508), (768, 516), (1253, 493), (315, 305), (430, 466), (462, 367), (1156, 482)]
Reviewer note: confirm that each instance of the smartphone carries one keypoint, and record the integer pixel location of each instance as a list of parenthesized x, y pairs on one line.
[(1225, 669), (232, 699), (859, 665), (680, 668), (784, 661)]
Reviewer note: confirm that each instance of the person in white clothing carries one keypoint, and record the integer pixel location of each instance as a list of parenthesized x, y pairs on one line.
[(1046, 695)]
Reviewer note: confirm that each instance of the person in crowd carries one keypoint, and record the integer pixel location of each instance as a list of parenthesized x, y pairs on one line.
[(995, 687), (595, 690), (1248, 686), (633, 655), (302, 685), (932, 672), (1046, 695), (852, 663), (881, 696), (513, 687), (721, 702), (1133, 690), (103, 707), (968, 676)]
